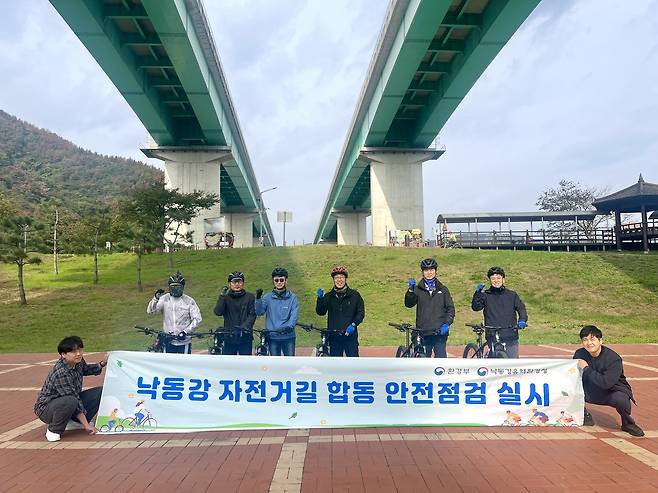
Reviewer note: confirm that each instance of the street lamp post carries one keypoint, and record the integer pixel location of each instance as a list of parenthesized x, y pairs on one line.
[(260, 211)]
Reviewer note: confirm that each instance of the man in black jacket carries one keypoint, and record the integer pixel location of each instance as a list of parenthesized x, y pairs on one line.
[(345, 310), (501, 306), (603, 379), (238, 309), (435, 310)]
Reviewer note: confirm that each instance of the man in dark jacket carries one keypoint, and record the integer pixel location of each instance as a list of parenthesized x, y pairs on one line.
[(501, 306), (603, 379), (62, 404), (435, 310), (238, 309), (345, 310)]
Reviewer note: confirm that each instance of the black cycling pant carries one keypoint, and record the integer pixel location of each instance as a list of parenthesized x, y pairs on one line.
[(339, 345)]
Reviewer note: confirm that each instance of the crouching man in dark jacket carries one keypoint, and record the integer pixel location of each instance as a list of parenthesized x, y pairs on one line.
[(603, 379), (345, 310)]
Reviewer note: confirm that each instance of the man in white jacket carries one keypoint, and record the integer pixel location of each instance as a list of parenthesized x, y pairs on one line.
[(181, 315)]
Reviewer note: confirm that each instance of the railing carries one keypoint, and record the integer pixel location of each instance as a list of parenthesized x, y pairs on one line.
[(527, 238), (635, 229)]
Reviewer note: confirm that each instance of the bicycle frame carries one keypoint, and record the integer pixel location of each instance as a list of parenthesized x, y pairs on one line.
[(415, 347), (322, 349), (495, 348), (263, 348)]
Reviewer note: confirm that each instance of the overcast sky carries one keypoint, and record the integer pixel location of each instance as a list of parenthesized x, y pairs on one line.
[(573, 95)]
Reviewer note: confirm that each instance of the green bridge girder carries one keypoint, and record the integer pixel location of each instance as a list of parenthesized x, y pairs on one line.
[(162, 58), (428, 56)]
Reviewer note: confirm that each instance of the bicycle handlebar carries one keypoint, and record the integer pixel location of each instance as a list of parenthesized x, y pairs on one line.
[(477, 327), (310, 327), (401, 327), (155, 332)]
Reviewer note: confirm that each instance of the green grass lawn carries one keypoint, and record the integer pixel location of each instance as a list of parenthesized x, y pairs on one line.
[(562, 292)]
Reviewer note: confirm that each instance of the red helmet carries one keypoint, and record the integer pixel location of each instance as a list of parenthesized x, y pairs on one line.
[(339, 269)]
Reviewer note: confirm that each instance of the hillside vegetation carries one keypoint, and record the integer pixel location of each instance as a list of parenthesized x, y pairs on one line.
[(38, 168), (562, 291)]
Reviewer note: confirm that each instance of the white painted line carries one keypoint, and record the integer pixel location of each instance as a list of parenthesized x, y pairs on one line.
[(642, 378), (18, 389), (16, 432), (289, 468)]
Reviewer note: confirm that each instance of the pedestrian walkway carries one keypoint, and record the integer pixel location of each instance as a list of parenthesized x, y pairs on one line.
[(599, 458)]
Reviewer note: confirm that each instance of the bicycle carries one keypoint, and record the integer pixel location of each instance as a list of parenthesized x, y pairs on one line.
[(414, 347), (488, 343), (323, 349), (131, 422), (263, 347), (161, 338), (219, 340)]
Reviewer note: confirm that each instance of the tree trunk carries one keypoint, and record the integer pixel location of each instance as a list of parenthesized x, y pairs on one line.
[(21, 287), (96, 258), (171, 255), (139, 269)]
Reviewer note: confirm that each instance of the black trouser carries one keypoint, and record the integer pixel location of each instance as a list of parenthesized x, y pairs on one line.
[(339, 345), (243, 348), (59, 411), (613, 398), (436, 343)]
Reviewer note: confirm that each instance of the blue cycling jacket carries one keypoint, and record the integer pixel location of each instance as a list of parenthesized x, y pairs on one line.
[(281, 313)]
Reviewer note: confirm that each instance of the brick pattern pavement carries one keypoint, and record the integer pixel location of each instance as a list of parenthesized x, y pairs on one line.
[(599, 458)]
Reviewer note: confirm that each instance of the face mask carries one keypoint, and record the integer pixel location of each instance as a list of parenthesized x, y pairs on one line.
[(176, 291)]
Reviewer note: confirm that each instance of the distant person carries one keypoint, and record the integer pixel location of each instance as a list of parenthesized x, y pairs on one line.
[(345, 311), (501, 307), (62, 404), (281, 309), (603, 379), (237, 306), (435, 310), (181, 315)]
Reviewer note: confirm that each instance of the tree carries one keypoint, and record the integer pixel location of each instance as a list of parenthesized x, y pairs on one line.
[(571, 196), (95, 229), (18, 239)]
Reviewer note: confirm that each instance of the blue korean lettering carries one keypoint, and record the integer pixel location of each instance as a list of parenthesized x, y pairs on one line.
[(422, 392), (394, 389), (364, 392), (196, 393), (306, 392), (172, 389), (448, 393), (255, 390), (148, 388), (283, 391), (337, 392), (510, 396), (534, 396), (230, 390), (475, 393)]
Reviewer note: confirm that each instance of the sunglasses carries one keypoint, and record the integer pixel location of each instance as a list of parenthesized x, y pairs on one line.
[(279, 279)]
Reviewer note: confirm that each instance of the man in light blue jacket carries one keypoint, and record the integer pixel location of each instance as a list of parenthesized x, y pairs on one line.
[(281, 310)]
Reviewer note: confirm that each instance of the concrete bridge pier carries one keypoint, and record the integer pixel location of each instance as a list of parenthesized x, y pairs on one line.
[(241, 224), (396, 189), (351, 227), (193, 169)]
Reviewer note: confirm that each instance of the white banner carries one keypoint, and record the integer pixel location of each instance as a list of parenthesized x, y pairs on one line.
[(153, 392)]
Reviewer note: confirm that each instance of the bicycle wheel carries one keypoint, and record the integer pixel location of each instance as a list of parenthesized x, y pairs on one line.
[(118, 428), (150, 422), (471, 351), (104, 428), (420, 354), (399, 352), (500, 354)]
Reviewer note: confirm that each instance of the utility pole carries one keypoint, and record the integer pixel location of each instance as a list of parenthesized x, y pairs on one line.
[(260, 212)]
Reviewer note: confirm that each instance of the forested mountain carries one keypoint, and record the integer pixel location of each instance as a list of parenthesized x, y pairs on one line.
[(39, 168)]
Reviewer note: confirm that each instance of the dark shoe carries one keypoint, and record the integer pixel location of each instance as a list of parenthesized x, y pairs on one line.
[(632, 429), (588, 420)]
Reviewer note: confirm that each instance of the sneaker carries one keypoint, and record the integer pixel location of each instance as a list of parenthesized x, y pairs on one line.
[(52, 437), (632, 429), (73, 425), (588, 420)]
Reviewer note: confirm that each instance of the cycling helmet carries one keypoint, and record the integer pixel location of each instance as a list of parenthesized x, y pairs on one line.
[(177, 278), (339, 269), (280, 272), (496, 270), (235, 276), (428, 263)]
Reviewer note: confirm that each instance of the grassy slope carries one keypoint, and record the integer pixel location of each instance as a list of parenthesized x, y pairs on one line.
[(562, 291)]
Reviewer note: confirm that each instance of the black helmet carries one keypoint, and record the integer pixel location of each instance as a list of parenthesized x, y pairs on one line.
[(428, 263), (235, 275), (177, 278), (496, 270), (280, 272)]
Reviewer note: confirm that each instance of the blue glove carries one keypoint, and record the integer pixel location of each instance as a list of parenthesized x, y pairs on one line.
[(350, 329), (522, 324), (320, 293), (412, 283), (479, 287), (445, 328)]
